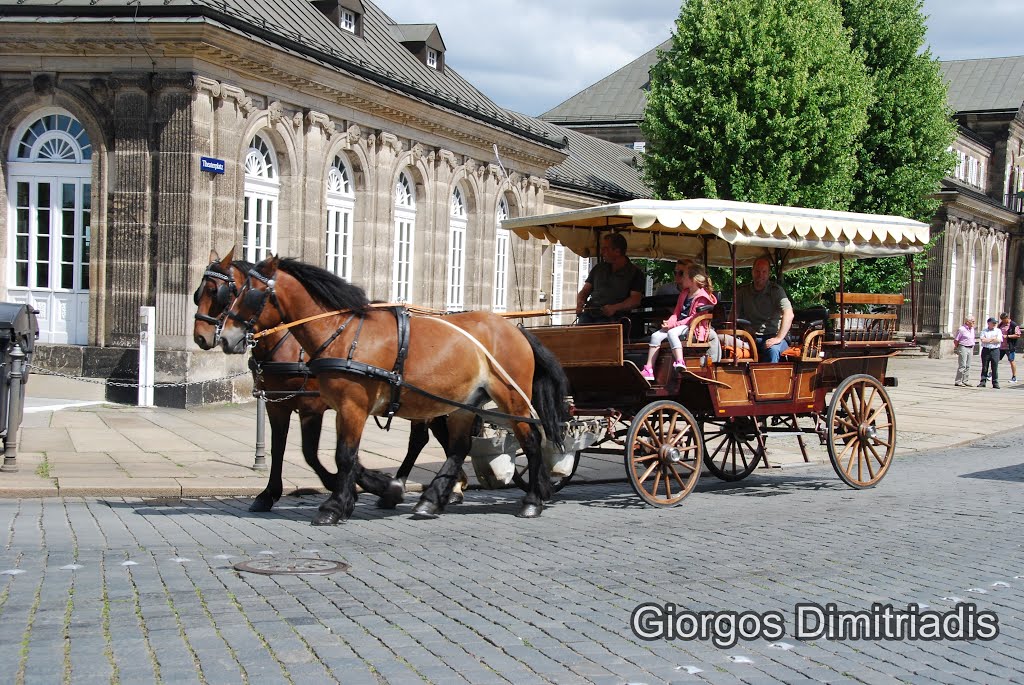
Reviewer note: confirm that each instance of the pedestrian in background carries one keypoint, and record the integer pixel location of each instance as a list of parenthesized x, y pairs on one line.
[(1011, 334), (963, 345), (991, 338)]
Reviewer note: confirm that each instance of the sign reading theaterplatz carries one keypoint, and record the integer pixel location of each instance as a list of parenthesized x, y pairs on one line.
[(214, 166)]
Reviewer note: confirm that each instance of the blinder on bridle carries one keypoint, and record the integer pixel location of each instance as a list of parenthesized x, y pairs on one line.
[(224, 296), (254, 300)]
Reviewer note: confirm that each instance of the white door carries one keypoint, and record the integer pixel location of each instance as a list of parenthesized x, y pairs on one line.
[(50, 213)]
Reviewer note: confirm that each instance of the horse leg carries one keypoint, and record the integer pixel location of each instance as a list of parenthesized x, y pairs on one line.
[(439, 426), (540, 484), (280, 418), (390, 491), (339, 504), (311, 423), (419, 436), (459, 429)]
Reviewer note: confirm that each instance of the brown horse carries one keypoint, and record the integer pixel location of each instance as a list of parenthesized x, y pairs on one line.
[(377, 360), (279, 370)]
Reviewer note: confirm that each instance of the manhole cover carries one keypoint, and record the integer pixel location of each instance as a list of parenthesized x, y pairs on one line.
[(270, 567)]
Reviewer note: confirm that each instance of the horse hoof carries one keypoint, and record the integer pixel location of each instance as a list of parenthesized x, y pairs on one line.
[(456, 498), (326, 518), (530, 511), (426, 510), (262, 503), (392, 496)]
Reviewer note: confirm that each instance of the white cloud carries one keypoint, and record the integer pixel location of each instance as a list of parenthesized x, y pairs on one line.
[(530, 55)]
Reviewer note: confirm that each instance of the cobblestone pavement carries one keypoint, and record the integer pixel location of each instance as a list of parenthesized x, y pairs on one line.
[(137, 591)]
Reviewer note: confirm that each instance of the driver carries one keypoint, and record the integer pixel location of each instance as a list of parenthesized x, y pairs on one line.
[(765, 304), (614, 287)]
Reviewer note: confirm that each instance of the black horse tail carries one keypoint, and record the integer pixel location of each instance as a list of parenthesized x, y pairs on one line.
[(550, 389)]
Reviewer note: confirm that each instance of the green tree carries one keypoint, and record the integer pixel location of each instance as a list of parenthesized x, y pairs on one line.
[(903, 153), (759, 101)]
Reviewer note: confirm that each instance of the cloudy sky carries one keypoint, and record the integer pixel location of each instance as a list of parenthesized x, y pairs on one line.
[(530, 55)]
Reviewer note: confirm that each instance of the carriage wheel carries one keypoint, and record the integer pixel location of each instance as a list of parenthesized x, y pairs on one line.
[(663, 453), (732, 447), (861, 431), (521, 475)]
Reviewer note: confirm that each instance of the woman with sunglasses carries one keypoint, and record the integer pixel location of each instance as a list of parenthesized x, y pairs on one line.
[(694, 292)]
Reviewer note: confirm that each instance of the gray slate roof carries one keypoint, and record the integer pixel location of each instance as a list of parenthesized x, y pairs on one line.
[(975, 85), (297, 26), (620, 96), (594, 166), (982, 85)]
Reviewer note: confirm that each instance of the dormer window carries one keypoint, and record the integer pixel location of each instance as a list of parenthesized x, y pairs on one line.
[(345, 14), (348, 21), (423, 41)]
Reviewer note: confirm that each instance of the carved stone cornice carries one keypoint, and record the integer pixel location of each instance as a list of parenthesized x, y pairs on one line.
[(44, 83), (448, 159), (174, 80), (201, 84), (320, 119), (238, 96), (421, 153), (122, 82), (389, 141)]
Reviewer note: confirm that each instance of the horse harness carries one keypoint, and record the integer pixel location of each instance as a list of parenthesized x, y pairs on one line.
[(348, 365)]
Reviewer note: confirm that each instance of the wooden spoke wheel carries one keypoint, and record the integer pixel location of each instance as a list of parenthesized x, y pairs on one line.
[(663, 453), (732, 447), (521, 475), (861, 431)]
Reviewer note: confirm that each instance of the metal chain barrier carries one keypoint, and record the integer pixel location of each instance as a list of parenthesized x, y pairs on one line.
[(117, 384)]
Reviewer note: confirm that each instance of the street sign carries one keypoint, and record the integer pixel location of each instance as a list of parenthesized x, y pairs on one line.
[(211, 164)]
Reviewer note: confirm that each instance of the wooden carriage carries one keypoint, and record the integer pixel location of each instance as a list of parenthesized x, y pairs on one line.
[(720, 413)]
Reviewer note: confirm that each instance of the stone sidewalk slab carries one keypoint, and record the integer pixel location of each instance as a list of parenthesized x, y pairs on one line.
[(107, 449)]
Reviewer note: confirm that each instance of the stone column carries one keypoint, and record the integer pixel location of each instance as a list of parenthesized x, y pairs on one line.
[(175, 166), (128, 224)]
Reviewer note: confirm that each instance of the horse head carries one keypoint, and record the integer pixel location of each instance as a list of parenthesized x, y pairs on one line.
[(248, 313), (221, 281)]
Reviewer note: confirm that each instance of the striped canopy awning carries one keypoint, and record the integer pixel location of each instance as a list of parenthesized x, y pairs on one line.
[(662, 229)]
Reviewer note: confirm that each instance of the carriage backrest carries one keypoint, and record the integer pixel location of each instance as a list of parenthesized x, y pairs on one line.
[(860, 326), (598, 345)]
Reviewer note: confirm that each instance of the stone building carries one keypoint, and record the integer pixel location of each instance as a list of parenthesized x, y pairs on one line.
[(977, 263), (138, 136)]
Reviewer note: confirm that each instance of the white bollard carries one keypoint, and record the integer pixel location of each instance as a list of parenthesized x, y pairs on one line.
[(147, 343)]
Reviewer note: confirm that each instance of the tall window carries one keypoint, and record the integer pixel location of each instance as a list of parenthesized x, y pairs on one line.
[(432, 58), (50, 205), (954, 290), (348, 21), (405, 230), (584, 271), (262, 188), (557, 279), (501, 253), (456, 253), (340, 203)]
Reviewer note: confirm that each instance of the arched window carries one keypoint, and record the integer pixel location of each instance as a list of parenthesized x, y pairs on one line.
[(456, 290), (405, 230), (50, 204), (501, 255), (340, 204), (954, 289), (262, 189)]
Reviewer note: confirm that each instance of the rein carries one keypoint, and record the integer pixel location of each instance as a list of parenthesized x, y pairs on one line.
[(336, 312)]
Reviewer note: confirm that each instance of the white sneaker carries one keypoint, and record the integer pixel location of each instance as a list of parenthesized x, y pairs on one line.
[(1013, 381)]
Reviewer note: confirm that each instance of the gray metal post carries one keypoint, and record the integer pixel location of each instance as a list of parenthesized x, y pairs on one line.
[(260, 464), (14, 409)]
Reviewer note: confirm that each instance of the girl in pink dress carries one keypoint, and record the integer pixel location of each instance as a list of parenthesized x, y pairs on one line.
[(694, 293)]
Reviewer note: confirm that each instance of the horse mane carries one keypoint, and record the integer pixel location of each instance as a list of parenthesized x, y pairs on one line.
[(326, 289)]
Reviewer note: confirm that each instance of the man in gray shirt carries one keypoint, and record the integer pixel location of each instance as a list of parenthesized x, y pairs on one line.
[(765, 304), (614, 287)]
